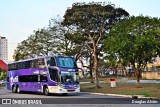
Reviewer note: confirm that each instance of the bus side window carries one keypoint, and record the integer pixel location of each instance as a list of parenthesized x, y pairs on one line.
[(21, 65), (9, 67), (33, 78), (22, 79), (34, 63), (52, 61), (54, 75), (43, 78), (40, 63), (14, 66), (28, 78), (27, 64)]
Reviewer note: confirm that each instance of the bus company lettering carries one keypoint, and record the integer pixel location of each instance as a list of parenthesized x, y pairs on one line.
[(71, 69), (14, 101), (34, 102)]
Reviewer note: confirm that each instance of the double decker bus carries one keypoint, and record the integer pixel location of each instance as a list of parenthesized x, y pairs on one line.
[(49, 74)]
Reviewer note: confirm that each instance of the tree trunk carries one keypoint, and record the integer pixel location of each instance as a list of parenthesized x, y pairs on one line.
[(138, 82), (91, 76), (91, 68), (96, 68), (138, 75)]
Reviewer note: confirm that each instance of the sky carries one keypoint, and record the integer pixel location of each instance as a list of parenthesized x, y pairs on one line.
[(19, 18)]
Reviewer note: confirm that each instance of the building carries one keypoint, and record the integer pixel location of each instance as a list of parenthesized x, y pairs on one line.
[(157, 60), (4, 49), (3, 65)]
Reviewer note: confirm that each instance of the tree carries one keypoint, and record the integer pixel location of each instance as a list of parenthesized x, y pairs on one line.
[(41, 43), (55, 39), (3, 74), (93, 20), (136, 41), (70, 43)]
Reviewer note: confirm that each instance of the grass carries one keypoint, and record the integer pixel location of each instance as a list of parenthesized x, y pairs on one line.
[(148, 90), (0, 86)]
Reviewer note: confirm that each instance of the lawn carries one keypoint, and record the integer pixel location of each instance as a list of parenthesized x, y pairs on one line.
[(148, 90), (0, 86)]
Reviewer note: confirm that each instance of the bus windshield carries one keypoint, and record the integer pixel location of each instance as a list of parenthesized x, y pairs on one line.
[(69, 77), (66, 62)]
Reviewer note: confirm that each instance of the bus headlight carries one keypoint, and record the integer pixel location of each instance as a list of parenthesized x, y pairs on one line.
[(78, 86)]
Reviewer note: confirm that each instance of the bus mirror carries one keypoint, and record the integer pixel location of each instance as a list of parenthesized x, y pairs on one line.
[(81, 70)]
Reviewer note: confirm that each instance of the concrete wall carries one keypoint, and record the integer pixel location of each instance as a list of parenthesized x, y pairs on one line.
[(151, 74)]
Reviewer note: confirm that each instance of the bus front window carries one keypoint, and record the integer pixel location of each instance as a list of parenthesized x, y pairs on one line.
[(66, 62), (69, 77)]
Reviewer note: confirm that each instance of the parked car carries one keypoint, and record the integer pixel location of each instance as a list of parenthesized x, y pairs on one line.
[(109, 72), (3, 82)]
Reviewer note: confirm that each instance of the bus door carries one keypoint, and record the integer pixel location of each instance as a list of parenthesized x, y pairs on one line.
[(39, 83), (9, 80)]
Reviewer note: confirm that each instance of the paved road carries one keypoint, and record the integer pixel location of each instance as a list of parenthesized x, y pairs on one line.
[(72, 100), (4, 93)]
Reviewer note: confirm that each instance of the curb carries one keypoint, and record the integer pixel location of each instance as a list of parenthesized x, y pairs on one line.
[(125, 96), (116, 95)]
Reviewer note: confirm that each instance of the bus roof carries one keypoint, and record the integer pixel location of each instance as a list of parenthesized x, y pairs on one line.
[(38, 58)]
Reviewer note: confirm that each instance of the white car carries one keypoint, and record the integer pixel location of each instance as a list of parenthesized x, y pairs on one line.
[(2, 82)]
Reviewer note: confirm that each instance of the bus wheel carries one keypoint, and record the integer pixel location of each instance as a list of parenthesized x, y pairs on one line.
[(46, 91), (18, 89), (14, 89)]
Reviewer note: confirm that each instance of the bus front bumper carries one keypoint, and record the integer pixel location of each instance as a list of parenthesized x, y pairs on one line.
[(58, 89)]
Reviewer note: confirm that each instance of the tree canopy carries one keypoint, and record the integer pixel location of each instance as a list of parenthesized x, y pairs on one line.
[(46, 41), (135, 40), (41, 43), (94, 20)]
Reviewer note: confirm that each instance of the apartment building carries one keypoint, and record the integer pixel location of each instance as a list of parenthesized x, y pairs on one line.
[(3, 49)]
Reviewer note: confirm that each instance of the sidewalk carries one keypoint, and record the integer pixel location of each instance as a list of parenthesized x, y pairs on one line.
[(144, 81), (125, 96), (131, 81)]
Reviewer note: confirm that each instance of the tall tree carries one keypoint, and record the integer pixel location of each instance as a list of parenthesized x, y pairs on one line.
[(136, 41), (93, 20), (41, 43), (70, 43), (55, 39)]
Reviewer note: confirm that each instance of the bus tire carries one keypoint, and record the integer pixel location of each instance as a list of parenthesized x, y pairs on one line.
[(46, 91), (18, 89), (14, 90)]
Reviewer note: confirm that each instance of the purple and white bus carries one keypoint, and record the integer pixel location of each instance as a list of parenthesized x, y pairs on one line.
[(50, 74)]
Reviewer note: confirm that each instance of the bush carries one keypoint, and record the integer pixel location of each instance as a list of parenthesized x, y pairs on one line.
[(3, 74)]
